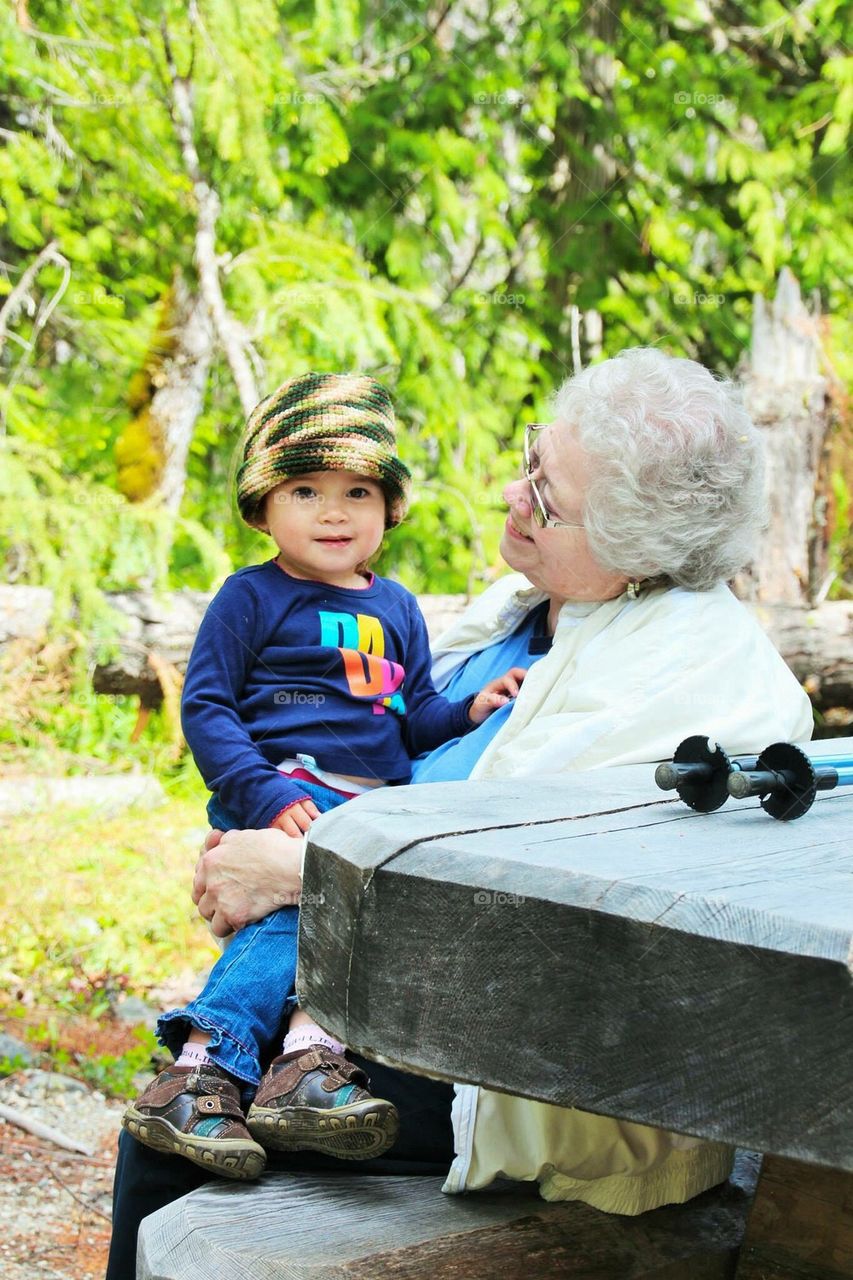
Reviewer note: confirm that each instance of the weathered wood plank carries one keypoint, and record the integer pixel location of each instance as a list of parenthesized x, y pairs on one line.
[(327, 1227), (800, 1224), (692, 971)]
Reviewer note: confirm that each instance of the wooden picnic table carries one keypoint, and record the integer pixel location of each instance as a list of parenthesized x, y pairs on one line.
[(688, 971)]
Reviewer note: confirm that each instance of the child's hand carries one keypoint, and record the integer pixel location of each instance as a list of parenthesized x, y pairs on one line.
[(497, 693), (296, 820)]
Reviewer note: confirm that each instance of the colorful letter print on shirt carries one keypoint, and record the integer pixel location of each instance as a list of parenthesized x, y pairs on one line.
[(369, 673)]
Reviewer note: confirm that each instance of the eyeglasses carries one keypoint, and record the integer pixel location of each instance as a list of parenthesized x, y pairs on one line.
[(541, 514)]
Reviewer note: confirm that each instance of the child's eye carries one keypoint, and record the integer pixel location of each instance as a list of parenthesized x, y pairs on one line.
[(304, 493), (359, 491)]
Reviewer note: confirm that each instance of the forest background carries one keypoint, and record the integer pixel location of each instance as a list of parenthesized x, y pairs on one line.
[(200, 200)]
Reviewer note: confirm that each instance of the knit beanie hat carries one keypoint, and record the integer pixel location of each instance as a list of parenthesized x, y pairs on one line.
[(322, 422)]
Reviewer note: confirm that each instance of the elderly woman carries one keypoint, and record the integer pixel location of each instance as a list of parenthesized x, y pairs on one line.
[(635, 506)]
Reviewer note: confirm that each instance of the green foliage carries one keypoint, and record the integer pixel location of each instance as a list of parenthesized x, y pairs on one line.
[(55, 722), (81, 539), (841, 541), (114, 914), (422, 197), (115, 1074), (8, 1066)]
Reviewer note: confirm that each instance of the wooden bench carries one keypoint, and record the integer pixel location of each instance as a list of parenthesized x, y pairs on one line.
[(692, 972)]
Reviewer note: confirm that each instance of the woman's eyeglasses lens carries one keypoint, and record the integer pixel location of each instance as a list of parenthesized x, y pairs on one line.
[(530, 463)]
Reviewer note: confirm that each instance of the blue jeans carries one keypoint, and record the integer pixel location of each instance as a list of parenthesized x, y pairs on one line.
[(251, 990)]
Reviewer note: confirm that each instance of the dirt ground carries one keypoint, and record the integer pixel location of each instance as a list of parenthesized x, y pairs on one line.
[(55, 1204)]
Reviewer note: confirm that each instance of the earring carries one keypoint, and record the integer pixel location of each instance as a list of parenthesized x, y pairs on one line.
[(632, 591)]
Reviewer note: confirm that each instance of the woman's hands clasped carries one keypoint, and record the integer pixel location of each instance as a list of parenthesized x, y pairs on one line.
[(242, 876)]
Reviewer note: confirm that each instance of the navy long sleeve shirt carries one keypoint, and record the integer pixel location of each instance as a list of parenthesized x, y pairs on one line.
[(283, 666)]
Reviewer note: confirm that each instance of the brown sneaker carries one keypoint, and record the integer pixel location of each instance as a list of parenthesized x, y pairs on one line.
[(195, 1112), (320, 1102)]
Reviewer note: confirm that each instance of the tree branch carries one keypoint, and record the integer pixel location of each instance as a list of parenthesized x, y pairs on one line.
[(230, 333), (14, 302), (457, 283), (39, 1130)]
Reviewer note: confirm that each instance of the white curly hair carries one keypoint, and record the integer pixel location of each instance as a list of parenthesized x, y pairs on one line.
[(677, 485)]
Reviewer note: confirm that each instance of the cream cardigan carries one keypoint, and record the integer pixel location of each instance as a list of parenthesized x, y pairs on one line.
[(623, 683)]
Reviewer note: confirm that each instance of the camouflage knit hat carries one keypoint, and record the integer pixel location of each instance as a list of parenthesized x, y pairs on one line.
[(322, 422)]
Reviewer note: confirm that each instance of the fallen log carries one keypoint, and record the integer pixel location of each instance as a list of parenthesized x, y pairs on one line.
[(24, 612), (165, 626), (817, 643)]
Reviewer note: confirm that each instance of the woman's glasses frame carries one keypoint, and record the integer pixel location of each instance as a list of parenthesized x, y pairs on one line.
[(541, 514)]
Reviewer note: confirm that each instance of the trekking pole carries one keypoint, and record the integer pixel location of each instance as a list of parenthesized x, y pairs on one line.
[(787, 780), (699, 771)]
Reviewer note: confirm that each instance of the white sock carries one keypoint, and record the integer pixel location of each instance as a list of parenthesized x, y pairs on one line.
[(194, 1055), (307, 1035)]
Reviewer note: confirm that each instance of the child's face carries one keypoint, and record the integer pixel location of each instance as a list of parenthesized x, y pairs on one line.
[(325, 523)]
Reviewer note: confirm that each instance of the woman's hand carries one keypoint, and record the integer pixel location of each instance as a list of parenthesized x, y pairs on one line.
[(497, 693), (242, 876)]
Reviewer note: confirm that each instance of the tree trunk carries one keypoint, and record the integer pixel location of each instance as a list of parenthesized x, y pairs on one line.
[(179, 400), (235, 342), (584, 171), (166, 398), (786, 394)]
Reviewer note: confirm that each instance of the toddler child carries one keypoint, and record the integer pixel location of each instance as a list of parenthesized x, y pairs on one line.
[(308, 684)]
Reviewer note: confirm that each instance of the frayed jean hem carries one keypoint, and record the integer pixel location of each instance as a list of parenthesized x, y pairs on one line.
[(228, 1052)]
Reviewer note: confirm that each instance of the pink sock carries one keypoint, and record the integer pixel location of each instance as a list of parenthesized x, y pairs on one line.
[(194, 1055), (306, 1036)]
